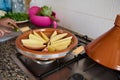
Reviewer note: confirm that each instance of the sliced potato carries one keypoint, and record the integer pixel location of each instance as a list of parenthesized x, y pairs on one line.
[(61, 45), (50, 48), (44, 36), (32, 36), (58, 37), (32, 44), (35, 33), (53, 34), (67, 42), (31, 41), (24, 29), (61, 40)]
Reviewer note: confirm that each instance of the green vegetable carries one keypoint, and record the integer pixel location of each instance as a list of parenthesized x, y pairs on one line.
[(16, 16), (47, 11), (16, 29)]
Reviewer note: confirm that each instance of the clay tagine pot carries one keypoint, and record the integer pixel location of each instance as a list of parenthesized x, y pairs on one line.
[(106, 48)]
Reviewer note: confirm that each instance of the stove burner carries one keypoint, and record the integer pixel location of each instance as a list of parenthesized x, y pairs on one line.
[(76, 76), (43, 61), (41, 70)]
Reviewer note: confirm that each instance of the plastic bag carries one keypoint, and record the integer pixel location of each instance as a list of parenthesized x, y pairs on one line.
[(6, 5)]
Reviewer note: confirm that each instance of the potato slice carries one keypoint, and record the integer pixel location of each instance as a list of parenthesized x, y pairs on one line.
[(62, 45), (32, 41), (24, 29), (36, 34), (32, 44), (58, 37), (61, 40), (50, 48), (32, 36), (34, 47), (53, 34), (44, 36)]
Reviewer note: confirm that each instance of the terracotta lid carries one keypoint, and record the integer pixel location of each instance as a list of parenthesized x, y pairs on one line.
[(106, 48)]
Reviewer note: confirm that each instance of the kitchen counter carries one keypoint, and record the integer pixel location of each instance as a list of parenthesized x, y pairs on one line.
[(8, 68)]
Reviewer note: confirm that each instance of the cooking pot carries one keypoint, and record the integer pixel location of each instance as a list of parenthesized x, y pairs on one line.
[(45, 55)]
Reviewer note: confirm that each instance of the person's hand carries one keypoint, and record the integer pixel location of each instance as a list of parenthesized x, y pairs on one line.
[(3, 31), (6, 23)]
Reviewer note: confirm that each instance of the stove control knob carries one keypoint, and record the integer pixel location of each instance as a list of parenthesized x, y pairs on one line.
[(76, 76)]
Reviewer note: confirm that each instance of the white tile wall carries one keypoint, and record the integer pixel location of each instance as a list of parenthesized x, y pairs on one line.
[(88, 17)]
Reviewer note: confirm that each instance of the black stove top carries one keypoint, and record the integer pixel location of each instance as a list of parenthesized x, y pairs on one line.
[(43, 70), (71, 67)]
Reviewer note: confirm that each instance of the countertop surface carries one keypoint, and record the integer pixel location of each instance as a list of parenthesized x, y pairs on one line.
[(9, 70)]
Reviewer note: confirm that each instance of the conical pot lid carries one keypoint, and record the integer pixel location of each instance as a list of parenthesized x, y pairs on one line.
[(106, 48)]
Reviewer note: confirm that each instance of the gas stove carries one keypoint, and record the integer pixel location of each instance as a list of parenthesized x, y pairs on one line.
[(68, 68)]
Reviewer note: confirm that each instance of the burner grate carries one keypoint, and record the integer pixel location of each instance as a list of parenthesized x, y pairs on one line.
[(82, 40), (58, 65)]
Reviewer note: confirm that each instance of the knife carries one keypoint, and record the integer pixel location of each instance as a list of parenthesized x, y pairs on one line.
[(17, 29)]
